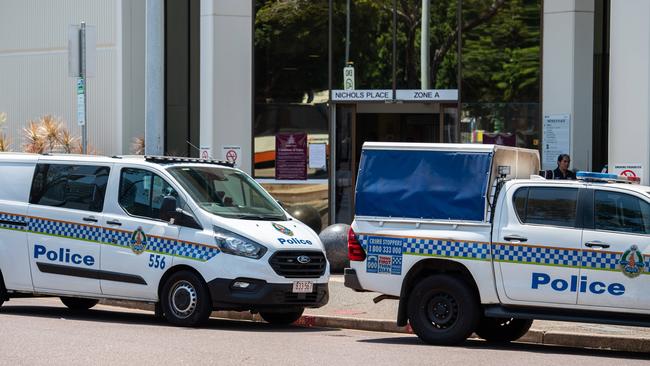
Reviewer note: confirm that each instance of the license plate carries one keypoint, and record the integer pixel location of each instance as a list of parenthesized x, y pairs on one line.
[(303, 286)]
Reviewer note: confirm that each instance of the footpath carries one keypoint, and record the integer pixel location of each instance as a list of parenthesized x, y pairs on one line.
[(354, 310)]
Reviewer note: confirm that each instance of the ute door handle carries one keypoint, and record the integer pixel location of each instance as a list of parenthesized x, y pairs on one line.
[(114, 222), (90, 219), (518, 238), (596, 244)]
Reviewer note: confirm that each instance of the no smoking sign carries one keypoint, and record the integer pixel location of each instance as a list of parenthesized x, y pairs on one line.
[(631, 170), (231, 154)]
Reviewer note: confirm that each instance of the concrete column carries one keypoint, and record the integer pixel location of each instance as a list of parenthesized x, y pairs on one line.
[(226, 77), (567, 83), (629, 80), (154, 99)]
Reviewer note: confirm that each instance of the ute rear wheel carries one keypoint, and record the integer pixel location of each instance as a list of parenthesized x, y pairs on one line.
[(185, 300), (443, 310), (502, 330), (3, 292), (78, 304), (281, 318)]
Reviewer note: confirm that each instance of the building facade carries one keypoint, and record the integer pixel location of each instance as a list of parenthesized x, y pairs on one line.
[(233, 78)]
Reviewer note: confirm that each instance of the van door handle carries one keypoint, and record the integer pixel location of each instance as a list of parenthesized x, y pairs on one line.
[(90, 219), (596, 244), (114, 222), (515, 238)]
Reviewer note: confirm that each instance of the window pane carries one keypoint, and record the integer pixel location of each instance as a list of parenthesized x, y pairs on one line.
[(519, 199), (86, 187), (161, 189), (501, 72), (79, 187), (621, 212), (552, 206), (227, 192), (135, 192)]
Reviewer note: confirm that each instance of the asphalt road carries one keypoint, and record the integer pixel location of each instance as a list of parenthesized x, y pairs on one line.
[(43, 332)]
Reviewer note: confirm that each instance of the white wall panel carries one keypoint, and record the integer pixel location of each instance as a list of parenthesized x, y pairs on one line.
[(34, 77)]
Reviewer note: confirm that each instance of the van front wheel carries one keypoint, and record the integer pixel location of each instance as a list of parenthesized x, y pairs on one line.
[(185, 300), (78, 304), (443, 310), (281, 318), (502, 330)]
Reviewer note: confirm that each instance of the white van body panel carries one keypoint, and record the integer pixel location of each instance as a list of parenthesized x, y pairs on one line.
[(35, 237)]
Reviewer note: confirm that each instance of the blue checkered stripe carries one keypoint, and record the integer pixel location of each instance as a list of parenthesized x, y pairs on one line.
[(537, 255), (600, 260), (195, 251), (447, 248), (14, 218), (161, 245), (115, 237), (73, 231), (363, 240), (164, 246)]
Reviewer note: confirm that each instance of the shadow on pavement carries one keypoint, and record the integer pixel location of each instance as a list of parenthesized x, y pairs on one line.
[(515, 347), (105, 316)]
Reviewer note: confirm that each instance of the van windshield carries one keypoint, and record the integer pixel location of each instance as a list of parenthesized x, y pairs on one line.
[(228, 193)]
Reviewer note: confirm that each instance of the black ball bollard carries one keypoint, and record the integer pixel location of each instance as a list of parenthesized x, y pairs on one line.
[(308, 215), (335, 241)]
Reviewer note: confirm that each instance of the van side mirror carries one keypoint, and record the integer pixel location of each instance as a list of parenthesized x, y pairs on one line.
[(184, 218), (168, 208)]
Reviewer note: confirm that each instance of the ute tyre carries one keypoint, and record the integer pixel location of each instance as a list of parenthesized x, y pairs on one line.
[(3, 291), (502, 330), (78, 304), (443, 310), (281, 318), (185, 300)]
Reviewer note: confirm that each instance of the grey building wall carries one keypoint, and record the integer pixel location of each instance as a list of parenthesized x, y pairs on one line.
[(34, 77), (133, 72)]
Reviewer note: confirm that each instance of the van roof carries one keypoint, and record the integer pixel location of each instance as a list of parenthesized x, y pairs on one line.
[(436, 146), (152, 159)]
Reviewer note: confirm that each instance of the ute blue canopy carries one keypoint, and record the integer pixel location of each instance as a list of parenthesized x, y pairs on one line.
[(439, 185)]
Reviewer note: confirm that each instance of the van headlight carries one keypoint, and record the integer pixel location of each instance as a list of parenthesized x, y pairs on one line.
[(235, 244)]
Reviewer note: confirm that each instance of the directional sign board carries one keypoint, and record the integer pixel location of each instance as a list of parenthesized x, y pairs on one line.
[(74, 67)]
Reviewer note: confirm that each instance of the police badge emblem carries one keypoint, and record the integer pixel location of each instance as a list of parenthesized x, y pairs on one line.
[(282, 229), (631, 262), (138, 241)]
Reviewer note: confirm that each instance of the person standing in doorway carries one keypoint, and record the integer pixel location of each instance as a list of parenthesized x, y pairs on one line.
[(562, 171)]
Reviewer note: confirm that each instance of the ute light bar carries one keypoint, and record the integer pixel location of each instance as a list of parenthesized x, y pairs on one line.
[(606, 178), (179, 159)]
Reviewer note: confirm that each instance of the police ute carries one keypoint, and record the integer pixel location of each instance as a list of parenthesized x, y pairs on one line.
[(470, 238), (189, 235)]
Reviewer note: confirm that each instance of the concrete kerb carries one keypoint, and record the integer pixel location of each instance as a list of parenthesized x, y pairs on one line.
[(613, 343)]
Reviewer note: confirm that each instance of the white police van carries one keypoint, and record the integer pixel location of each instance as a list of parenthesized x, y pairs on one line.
[(190, 235), (466, 244)]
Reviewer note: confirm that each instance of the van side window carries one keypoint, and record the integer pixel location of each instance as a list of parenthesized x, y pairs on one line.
[(621, 212), (553, 206), (142, 192), (79, 187)]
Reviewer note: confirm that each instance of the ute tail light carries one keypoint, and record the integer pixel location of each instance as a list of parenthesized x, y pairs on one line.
[(355, 250)]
